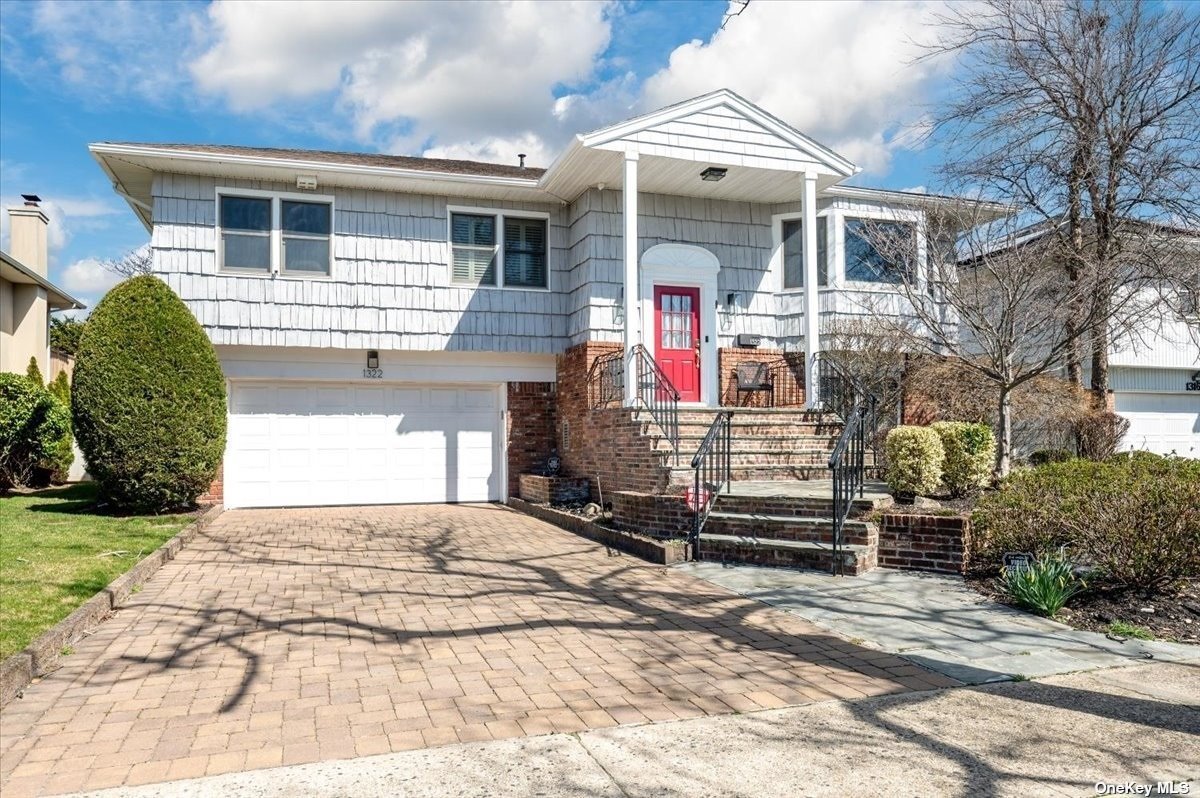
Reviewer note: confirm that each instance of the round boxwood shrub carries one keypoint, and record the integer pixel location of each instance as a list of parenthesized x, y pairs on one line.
[(32, 426), (970, 455), (148, 399), (914, 460)]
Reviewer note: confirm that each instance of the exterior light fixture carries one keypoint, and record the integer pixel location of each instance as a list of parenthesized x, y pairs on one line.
[(713, 173), (372, 359), (306, 182)]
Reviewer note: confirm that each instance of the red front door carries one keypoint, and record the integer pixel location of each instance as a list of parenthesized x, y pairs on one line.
[(677, 337)]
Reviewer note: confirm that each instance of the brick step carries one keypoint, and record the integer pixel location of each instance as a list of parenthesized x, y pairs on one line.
[(817, 529), (741, 439), (793, 505), (782, 424), (787, 553), (684, 475)]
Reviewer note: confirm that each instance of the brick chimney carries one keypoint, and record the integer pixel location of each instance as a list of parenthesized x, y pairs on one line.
[(27, 226)]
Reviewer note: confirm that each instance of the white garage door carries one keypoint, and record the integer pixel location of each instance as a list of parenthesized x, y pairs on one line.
[(1161, 422), (294, 444)]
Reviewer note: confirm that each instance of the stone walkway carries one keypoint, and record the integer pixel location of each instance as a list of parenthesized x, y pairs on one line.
[(938, 622), (281, 637)]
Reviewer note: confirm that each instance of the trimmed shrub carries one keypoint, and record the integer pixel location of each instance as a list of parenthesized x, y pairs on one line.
[(1099, 433), (1043, 456), (970, 451), (31, 425), (148, 399), (59, 465), (914, 456), (1136, 519), (1045, 587), (34, 373)]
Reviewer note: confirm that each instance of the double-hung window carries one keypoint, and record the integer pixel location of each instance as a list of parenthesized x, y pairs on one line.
[(268, 234), (479, 241), (792, 241), (880, 251)]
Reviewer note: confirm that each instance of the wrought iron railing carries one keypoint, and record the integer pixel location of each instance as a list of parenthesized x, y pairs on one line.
[(840, 393), (654, 390), (713, 471), (656, 393)]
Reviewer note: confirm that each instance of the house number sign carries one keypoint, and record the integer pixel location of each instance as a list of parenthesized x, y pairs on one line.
[(1194, 384), (373, 374)]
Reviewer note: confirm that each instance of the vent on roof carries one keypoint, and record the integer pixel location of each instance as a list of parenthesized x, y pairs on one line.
[(521, 159), (31, 200)]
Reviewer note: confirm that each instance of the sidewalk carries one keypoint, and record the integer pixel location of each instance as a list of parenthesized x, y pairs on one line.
[(1059, 736), (938, 622)]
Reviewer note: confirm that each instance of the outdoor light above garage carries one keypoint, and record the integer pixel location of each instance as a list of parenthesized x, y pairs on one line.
[(713, 173), (372, 359)]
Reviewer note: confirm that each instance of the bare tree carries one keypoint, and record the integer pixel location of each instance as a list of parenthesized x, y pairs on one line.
[(1085, 113), (132, 263), (978, 290)]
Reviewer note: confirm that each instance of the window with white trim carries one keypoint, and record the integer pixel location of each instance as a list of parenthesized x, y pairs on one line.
[(792, 238), (479, 241), (879, 251), (265, 233)]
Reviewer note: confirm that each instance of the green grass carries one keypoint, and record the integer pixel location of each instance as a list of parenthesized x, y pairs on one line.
[(57, 551), (1122, 629)]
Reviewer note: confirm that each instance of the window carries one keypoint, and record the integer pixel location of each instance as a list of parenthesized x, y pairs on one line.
[(306, 228), (269, 234), (246, 233), (864, 260), (478, 240), (793, 253)]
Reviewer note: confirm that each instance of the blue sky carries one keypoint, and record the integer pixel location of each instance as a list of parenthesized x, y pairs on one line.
[(454, 80)]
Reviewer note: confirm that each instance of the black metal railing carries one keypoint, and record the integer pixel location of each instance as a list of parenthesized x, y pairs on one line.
[(654, 390), (713, 471), (840, 393), (656, 393)]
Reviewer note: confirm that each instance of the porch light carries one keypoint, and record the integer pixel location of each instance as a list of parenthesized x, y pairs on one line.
[(372, 359), (713, 173)]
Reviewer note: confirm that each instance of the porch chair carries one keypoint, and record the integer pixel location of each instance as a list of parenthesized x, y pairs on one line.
[(755, 377)]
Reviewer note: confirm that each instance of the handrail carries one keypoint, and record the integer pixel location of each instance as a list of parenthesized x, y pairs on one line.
[(713, 473), (610, 371), (658, 395)]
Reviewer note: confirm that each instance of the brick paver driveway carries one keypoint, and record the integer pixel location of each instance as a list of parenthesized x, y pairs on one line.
[(286, 636)]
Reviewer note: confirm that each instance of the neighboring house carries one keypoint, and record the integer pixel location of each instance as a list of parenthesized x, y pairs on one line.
[(27, 297), (399, 329)]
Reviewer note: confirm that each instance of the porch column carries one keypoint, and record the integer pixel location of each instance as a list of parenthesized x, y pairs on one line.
[(812, 305), (629, 190)]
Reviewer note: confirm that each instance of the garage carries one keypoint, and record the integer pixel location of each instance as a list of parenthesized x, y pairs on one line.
[(296, 444), (1161, 422)]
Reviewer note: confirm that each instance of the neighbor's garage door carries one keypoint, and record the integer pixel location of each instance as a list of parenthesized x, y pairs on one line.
[(1161, 422), (294, 444)]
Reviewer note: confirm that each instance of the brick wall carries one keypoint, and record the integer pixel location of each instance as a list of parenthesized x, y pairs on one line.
[(924, 542), (647, 512), (553, 490), (606, 445), (789, 379), (531, 429), (216, 491)]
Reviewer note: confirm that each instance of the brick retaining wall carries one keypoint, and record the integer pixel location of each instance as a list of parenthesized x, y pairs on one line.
[(924, 542)]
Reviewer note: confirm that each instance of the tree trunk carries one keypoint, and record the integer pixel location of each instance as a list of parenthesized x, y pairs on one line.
[(1100, 382), (1074, 354), (1004, 436)]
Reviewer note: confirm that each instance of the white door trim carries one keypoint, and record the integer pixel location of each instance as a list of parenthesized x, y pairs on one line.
[(693, 267)]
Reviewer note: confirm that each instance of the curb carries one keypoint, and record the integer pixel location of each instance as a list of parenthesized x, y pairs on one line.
[(660, 553), (42, 655)]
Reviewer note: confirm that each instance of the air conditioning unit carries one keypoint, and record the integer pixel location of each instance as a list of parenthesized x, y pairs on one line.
[(749, 341)]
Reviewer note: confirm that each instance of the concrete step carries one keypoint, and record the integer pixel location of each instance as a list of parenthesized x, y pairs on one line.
[(817, 529), (786, 553)]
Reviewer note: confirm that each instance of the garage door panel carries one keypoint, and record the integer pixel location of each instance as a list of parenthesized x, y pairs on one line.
[(298, 444), (1161, 422)]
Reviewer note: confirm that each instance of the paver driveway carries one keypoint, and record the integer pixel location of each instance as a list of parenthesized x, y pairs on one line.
[(286, 636)]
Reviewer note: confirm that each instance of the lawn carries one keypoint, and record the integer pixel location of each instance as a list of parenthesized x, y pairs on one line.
[(56, 552)]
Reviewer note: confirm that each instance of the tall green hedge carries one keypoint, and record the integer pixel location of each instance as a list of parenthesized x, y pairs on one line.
[(148, 399)]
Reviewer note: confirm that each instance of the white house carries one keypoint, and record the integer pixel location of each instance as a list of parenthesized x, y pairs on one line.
[(378, 317)]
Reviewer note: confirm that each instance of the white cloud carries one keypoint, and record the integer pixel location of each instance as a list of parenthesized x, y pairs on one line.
[(88, 277), (842, 72), (443, 77)]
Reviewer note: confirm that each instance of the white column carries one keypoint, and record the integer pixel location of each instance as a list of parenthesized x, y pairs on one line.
[(632, 300), (812, 305)]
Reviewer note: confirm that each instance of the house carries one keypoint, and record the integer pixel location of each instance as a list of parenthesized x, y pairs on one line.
[(398, 329), (27, 297)]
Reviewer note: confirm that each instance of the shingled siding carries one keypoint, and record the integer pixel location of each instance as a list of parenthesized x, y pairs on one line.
[(390, 287), (738, 233)]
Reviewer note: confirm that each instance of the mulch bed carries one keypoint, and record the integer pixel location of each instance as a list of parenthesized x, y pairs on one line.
[(1171, 614)]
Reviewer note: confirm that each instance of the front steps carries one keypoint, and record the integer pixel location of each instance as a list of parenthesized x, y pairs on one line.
[(791, 524)]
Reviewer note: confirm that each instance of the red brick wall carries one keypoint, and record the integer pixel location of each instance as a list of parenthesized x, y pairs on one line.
[(789, 380), (553, 490), (216, 491), (531, 429), (924, 542), (647, 512), (606, 445)]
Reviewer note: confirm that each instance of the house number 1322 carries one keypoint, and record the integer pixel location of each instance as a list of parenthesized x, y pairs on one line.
[(373, 374)]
